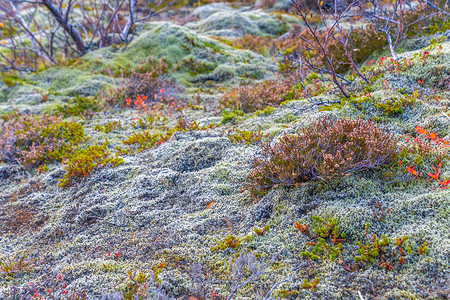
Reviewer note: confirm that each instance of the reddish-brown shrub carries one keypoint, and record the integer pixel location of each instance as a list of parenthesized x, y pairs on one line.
[(261, 95), (328, 149), (31, 140), (255, 43)]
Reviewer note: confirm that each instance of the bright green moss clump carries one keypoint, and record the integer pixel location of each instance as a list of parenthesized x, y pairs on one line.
[(84, 161)]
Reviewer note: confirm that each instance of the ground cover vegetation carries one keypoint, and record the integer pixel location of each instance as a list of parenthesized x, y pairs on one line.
[(149, 152)]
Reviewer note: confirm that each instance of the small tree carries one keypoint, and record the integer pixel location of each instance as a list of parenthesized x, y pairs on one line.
[(394, 18), (316, 55)]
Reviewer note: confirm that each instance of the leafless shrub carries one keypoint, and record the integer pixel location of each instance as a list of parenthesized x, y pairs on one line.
[(395, 17), (245, 269), (315, 53)]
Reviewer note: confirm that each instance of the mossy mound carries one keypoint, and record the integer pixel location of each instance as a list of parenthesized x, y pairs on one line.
[(236, 24)]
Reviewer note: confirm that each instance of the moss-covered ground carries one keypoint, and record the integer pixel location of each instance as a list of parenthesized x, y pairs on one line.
[(179, 208)]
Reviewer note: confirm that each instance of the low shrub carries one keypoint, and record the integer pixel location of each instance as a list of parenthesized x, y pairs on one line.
[(79, 106), (149, 80), (84, 161), (326, 150), (32, 140), (11, 267), (108, 127), (245, 137), (147, 139), (259, 96)]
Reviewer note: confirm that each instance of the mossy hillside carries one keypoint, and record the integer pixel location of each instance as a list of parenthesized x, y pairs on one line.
[(206, 10), (146, 201), (199, 58)]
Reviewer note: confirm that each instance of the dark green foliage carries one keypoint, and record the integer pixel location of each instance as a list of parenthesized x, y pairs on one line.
[(326, 240), (231, 116), (79, 106), (108, 127), (84, 161)]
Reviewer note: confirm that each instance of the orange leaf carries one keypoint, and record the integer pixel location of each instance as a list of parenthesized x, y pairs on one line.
[(434, 176), (211, 205), (433, 136), (421, 130), (445, 183)]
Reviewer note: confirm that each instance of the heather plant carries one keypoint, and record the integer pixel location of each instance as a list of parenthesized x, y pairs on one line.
[(258, 44), (147, 80), (32, 140), (326, 150), (136, 85), (261, 95)]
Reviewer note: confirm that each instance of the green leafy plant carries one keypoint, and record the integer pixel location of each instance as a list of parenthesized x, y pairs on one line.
[(231, 116), (379, 251), (18, 264), (110, 126), (326, 241), (84, 161)]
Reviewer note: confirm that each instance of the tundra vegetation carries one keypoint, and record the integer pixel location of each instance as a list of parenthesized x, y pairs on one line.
[(202, 149)]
